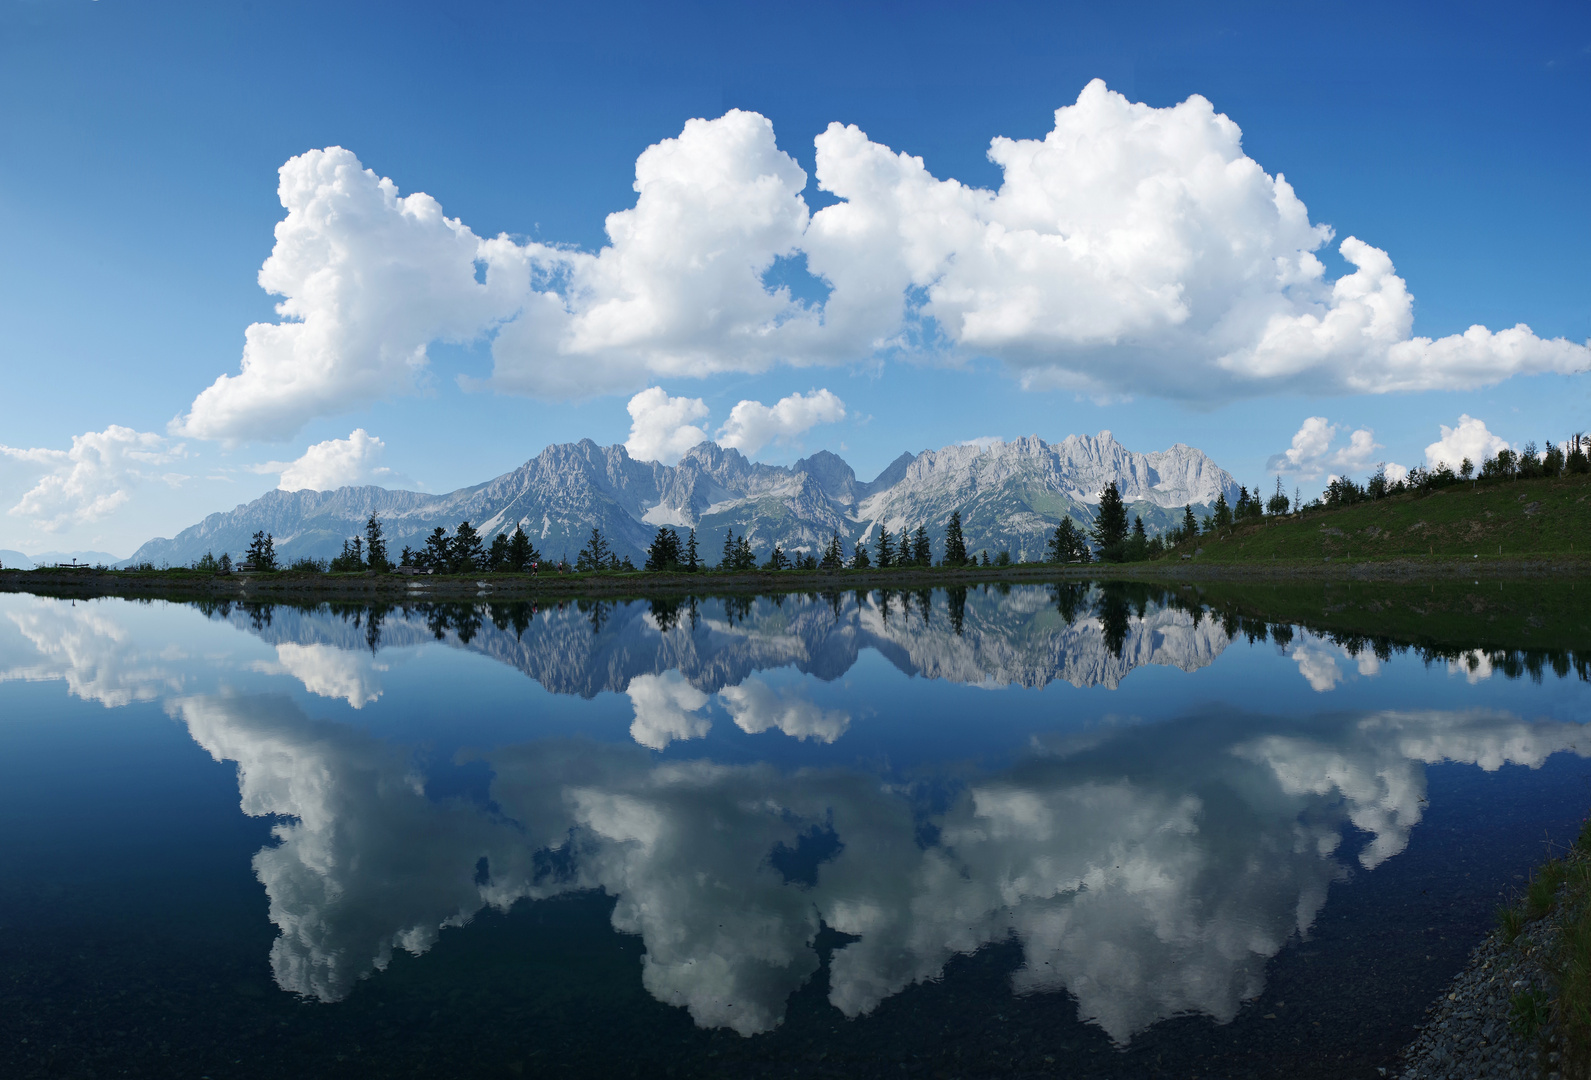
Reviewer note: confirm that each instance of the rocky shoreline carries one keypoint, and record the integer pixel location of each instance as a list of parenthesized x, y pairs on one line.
[(1468, 1034)]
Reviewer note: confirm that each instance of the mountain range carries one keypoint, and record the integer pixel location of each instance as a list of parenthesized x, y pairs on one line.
[(1011, 496), (17, 560)]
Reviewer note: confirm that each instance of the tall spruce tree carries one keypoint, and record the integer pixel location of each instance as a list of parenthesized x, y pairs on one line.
[(469, 555), (886, 548), (955, 543), (664, 554), (1138, 543), (376, 545), (1222, 518), (1064, 542), (922, 550), (1110, 524), (727, 561), (776, 559), (693, 561), (497, 553), (596, 555), (521, 552), (833, 555), (860, 561), (438, 553)]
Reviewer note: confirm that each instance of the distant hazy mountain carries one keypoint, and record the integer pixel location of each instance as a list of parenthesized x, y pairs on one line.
[(14, 560), (1011, 496)]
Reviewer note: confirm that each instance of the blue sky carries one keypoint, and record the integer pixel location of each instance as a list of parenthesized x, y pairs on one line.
[(140, 146)]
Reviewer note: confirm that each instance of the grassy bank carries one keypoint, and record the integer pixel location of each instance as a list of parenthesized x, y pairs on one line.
[(1560, 892), (1488, 520)]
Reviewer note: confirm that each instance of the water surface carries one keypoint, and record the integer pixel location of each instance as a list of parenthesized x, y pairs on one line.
[(1042, 830)]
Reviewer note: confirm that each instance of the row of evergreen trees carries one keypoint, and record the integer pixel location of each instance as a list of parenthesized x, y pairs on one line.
[(1558, 459), (668, 553)]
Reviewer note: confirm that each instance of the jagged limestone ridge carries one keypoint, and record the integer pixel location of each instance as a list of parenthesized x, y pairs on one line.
[(1011, 496)]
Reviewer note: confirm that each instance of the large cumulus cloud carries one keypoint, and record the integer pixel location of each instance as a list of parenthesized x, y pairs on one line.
[(95, 477), (1132, 249)]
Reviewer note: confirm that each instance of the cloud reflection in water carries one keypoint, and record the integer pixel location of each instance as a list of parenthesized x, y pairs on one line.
[(1147, 870), (1149, 874)]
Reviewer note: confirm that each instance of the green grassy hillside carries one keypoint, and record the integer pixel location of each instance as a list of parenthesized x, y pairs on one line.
[(1511, 519)]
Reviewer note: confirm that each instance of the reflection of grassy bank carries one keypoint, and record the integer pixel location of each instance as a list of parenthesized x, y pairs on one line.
[(1441, 615), (186, 584)]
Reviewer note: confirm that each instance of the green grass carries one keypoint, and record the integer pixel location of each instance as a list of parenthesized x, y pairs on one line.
[(1483, 521), (1561, 885), (1571, 962)]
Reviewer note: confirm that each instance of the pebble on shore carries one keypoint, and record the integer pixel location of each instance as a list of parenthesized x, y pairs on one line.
[(1468, 1036)]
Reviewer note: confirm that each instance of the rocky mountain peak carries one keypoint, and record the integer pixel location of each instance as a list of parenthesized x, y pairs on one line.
[(1011, 494)]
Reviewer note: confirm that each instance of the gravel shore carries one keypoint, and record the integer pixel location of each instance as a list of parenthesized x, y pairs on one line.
[(1467, 1035)]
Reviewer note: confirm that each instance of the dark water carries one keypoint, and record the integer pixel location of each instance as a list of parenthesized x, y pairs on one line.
[(1032, 831)]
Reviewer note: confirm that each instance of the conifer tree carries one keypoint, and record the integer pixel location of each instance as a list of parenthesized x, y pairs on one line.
[(1222, 518), (1064, 543), (955, 543), (745, 559), (922, 550), (438, 553), (521, 552), (1138, 545), (262, 551), (776, 559), (352, 559), (664, 554), (407, 556), (886, 549), (1110, 524), (727, 562), (986, 556), (596, 555), (497, 553), (1552, 458), (860, 561), (693, 561), (833, 555), (468, 553), (376, 545)]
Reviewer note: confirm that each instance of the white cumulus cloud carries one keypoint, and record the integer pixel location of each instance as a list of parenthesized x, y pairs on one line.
[(335, 463), (1132, 249), (1468, 439), (662, 427), (94, 477), (753, 425), (1312, 454), (369, 279)]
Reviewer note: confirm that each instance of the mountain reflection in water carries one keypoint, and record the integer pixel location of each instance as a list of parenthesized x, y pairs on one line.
[(1148, 870)]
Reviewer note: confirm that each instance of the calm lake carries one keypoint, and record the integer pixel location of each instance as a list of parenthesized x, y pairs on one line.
[(1075, 830)]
